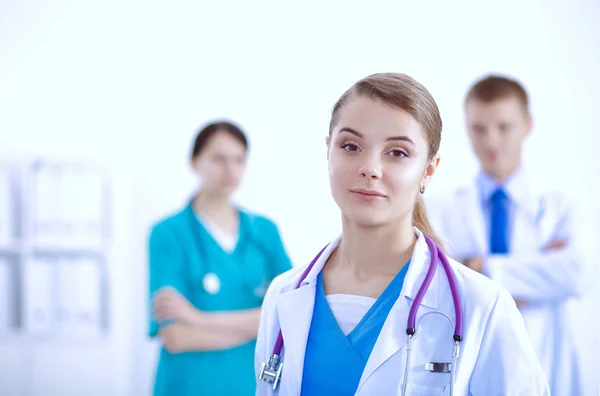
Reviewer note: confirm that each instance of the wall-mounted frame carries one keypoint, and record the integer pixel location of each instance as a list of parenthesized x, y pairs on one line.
[(54, 239)]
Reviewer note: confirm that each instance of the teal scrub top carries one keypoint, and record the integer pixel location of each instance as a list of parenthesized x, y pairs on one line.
[(181, 253)]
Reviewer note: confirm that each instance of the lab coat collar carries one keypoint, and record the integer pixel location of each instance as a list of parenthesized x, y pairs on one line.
[(517, 187), (417, 270), (311, 277), (294, 309)]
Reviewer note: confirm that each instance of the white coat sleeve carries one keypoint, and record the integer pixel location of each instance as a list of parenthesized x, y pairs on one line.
[(507, 364), (544, 276)]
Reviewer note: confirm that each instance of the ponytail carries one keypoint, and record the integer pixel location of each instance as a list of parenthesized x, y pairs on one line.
[(420, 221)]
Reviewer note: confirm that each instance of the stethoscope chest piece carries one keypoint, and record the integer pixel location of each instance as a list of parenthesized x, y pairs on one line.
[(270, 372), (211, 283)]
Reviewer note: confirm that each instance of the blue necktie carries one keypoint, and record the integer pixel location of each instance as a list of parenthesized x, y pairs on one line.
[(499, 223)]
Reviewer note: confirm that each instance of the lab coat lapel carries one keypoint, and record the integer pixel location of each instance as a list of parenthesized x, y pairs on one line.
[(472, 212), (524, 233), (295, 309), (393, 338)]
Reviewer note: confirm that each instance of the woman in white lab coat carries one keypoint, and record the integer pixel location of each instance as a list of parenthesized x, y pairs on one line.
[(344, 320)]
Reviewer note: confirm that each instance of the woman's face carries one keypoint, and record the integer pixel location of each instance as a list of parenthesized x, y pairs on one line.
[(378, 161), (221, 164)]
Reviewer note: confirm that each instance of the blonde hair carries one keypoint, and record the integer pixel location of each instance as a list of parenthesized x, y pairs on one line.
[(403, 92)]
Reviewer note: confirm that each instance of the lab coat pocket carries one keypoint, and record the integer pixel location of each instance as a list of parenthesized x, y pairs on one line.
[(424, 390), (431, 360)]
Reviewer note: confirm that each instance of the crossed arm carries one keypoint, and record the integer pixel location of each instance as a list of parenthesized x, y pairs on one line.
[(554, 273), (186, 329), (183, 327)]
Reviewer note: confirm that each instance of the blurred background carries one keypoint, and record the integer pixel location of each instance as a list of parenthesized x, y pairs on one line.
[(100, 101)]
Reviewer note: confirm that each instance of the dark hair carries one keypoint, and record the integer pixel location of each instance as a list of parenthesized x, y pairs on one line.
[(402, 92), (211, 129), (495, 87)]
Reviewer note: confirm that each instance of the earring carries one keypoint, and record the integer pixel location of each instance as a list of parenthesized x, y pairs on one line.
[(422, 190)]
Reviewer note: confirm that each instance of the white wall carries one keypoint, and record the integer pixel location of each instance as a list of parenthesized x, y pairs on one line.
[(126, 84)]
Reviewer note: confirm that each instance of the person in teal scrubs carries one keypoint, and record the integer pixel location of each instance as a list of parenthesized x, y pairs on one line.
[(210, 266)]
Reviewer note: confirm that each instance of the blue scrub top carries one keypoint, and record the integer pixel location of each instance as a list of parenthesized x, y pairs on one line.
[(181, 253), (330, 353)]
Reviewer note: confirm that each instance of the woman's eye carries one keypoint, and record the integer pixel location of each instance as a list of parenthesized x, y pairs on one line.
[(350, 147), (399, 153)]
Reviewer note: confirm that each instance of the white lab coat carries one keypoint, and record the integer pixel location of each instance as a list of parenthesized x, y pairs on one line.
[(496, 355), (547, 281)]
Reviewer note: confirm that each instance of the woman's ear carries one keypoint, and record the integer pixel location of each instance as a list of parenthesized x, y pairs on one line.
[(195, 164), (430, 170)]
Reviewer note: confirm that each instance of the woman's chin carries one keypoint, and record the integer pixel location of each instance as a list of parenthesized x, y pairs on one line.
[(366, 217)]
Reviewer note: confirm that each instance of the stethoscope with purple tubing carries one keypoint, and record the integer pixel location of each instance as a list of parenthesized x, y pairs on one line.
[(270, 372)]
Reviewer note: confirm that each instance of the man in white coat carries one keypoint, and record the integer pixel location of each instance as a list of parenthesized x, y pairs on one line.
[(519, 237)]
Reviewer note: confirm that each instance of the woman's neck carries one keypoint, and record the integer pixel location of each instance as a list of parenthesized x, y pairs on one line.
[(217, 208), (375, 250)]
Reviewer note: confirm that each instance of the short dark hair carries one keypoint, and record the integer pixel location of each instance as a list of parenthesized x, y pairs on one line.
[(208, 131), (494, 87)]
